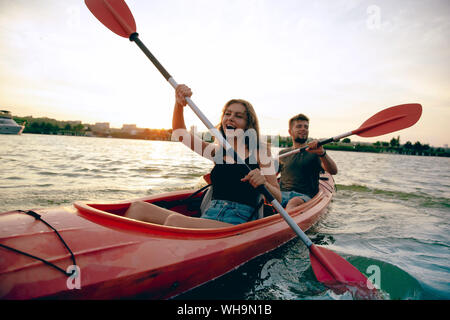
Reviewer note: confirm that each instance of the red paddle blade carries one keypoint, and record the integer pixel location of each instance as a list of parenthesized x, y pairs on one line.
[(114, 14), (390, 120), (340, 275)]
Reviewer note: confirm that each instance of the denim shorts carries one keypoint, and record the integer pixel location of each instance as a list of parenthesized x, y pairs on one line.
[(229, 211), (288, 195)]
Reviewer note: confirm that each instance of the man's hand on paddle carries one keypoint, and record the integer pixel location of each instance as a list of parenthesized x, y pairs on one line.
[(313, 147)]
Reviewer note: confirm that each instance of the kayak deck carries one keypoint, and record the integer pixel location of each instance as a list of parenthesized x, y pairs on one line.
[(120, 257)]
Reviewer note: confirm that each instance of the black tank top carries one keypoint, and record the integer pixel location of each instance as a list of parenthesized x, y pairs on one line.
[(227, 184)]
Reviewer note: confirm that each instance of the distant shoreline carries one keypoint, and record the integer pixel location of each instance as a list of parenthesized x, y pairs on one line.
[(76, 128), (389, 150), (335, 146)]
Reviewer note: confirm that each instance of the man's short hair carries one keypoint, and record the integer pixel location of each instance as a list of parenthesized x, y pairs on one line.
[(298, 117)]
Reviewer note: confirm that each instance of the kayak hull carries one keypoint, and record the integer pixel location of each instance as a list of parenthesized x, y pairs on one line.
[(119, 257)]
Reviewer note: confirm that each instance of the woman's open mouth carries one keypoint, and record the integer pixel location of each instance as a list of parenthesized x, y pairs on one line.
[(232, 131)]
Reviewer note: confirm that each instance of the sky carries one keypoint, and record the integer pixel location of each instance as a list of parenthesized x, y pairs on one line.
[(337, 61)]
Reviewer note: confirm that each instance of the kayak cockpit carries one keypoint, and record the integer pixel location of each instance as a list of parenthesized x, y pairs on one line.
[(187, 202), (113, 215)]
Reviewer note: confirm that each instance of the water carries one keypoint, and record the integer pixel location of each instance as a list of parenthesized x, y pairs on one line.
[(42, 170), (389, 218)]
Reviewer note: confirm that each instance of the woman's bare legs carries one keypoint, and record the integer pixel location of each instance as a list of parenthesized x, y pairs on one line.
[(179, 220), (148, 212)]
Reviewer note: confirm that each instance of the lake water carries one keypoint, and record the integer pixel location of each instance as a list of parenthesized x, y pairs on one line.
[(389, 218)]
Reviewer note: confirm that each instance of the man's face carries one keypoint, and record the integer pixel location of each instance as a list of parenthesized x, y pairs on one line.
[(299, 131)]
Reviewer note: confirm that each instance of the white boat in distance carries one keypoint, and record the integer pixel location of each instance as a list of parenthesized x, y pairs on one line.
[(8, 125)]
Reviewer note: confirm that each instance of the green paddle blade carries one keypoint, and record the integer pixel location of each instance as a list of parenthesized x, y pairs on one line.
[(389, 120), (114, 14)]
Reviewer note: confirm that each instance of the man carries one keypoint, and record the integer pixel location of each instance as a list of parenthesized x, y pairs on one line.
[(300, 171)]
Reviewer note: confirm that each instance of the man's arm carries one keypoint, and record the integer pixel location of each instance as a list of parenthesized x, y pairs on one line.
[(327, 163)]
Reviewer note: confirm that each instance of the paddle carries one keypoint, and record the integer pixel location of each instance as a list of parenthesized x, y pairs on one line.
[(386, 121), (328, 267)]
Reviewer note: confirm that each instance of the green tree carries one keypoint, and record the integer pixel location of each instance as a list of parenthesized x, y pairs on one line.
[(49, 128), (417, 147), (33, 128), (78, 128), (395, 142)]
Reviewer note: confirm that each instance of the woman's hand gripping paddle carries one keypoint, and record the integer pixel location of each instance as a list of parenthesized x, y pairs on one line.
[(329, 267), (386, 121)]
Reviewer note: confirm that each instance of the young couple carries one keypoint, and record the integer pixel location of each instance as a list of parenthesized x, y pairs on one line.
[(234, 194)]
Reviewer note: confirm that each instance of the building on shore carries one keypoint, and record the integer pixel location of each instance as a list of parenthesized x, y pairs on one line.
[(130, 129), (101, 127)]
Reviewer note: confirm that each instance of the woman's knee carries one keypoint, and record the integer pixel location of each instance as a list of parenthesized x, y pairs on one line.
[(294, 202), (135, 210), (147, 212)]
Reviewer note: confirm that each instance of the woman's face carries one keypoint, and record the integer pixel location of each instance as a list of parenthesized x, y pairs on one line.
[(234, 117)]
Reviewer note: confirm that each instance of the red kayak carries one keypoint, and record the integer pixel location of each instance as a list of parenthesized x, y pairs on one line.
[(117, 257)]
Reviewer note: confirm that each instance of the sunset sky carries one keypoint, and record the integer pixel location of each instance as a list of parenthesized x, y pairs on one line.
[(337, 61)]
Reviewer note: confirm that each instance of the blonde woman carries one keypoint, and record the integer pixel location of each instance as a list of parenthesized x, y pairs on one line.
[(234, 197)]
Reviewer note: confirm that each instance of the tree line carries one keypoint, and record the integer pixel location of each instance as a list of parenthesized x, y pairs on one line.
[(52, 126), (393, 146)]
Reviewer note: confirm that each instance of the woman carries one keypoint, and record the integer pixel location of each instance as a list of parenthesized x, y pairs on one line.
[(234, 198)]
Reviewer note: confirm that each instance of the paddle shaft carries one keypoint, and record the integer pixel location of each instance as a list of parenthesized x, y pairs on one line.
[(321, 143), (222, 141), (358, 131)]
